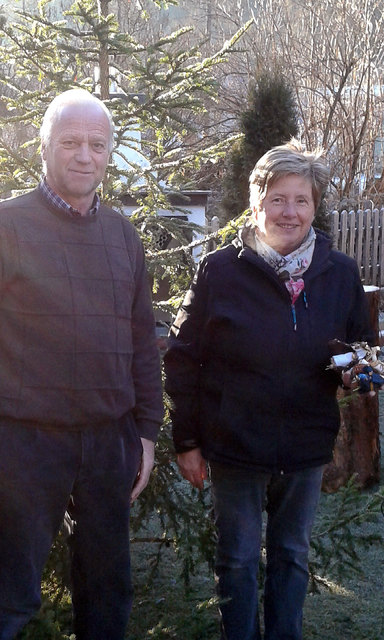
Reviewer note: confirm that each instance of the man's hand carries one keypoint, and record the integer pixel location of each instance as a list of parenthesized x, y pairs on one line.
[(193, 467), (147, 460)]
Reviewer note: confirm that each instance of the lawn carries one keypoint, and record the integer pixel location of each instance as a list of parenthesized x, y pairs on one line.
[(348, 604)]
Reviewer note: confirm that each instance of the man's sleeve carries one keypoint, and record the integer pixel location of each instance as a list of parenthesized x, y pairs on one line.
[(146, 372), (182, 363)]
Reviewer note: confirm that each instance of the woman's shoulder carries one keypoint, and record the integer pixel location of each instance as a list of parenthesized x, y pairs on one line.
[(342, 258), (324, 244), (221, 256)]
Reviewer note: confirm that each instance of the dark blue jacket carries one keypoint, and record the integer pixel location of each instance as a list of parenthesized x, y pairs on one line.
[(248, 388)]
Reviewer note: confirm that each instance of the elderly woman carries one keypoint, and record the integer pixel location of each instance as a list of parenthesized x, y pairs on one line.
[(251, 393)]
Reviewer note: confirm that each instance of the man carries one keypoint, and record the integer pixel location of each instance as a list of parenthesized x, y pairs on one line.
[(80, 391)]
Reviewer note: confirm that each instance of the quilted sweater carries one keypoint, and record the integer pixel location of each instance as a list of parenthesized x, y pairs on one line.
[(77, 339)]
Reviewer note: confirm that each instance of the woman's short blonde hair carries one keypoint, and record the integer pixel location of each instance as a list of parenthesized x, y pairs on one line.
[(289, 159)]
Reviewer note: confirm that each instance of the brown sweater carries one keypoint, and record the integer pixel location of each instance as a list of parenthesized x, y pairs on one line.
[(77, 339)]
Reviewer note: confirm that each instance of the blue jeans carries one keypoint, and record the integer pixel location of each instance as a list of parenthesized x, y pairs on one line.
[(239, 497), (40, 472)]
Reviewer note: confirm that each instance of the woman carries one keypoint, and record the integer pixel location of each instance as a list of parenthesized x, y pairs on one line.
[(247, 375)]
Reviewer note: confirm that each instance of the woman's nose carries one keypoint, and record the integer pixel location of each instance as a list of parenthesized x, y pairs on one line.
[(289, 209)]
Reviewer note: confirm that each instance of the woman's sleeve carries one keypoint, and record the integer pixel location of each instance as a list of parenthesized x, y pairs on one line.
[(359, 327), (182, 363)]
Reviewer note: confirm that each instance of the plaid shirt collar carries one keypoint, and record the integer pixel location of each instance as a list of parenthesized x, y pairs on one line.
[(53, 199)]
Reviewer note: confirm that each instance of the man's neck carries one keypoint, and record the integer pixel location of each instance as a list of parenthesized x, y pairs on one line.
[(74, 206)]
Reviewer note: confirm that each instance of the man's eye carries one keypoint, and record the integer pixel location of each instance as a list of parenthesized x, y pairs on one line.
[(69, 144), (98, 146)]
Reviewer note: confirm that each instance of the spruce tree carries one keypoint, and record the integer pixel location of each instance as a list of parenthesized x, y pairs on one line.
[(158, 89), (269, 119)]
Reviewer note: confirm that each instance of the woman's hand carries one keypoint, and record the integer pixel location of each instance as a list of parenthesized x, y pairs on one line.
[(193, 467), (347, 377)]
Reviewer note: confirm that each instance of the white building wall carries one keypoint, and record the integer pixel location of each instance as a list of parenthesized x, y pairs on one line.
[(194, 214)]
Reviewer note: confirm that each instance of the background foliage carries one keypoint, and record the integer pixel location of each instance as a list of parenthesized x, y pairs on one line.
[(186, 94), (270, 119), (154, 91)]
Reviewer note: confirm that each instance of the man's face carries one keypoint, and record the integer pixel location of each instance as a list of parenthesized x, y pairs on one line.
[(77, 154)]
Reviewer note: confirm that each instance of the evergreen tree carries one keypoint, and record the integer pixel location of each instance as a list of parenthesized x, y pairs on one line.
[(157, 90), (269, 119)]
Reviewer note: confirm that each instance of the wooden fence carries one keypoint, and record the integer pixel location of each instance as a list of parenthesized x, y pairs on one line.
[(360, 234)]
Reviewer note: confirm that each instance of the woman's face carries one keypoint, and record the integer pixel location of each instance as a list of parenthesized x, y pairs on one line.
[(286, 213)]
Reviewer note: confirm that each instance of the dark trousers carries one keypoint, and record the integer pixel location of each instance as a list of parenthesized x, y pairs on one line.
[(40, 472), (239, 497)]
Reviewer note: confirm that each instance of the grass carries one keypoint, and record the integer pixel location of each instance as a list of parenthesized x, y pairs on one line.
[(347, 606), (347, 609), (351, 608), (165, 609)]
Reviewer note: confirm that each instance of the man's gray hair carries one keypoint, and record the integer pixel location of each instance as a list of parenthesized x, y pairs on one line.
[(289, 159), (71, 97)]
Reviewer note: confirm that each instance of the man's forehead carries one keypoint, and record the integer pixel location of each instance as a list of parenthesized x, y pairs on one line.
[(83, 114)]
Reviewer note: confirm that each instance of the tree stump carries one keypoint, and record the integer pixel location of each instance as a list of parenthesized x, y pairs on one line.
[(357, 447)]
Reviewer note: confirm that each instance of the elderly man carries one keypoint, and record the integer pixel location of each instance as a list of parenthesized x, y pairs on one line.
[(80, 391)]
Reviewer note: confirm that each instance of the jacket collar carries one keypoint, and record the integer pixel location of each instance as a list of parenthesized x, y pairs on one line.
[(321, 260)]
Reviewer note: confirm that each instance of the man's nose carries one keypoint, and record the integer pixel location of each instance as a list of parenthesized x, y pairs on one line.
[(82, 153)]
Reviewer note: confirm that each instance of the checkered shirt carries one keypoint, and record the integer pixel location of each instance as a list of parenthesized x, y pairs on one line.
[(53, 199)]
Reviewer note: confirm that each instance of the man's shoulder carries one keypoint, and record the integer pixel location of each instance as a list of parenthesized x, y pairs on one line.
[(21, 202), (115, 213), (117, 217), (107, 210)]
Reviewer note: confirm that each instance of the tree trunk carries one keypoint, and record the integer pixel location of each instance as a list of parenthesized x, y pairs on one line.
[(103, 56), (357, 448)]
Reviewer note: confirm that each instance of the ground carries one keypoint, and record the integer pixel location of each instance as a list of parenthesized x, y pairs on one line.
[(352, 609)]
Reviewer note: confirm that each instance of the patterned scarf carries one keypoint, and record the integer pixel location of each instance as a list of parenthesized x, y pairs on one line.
[(289, 268)]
